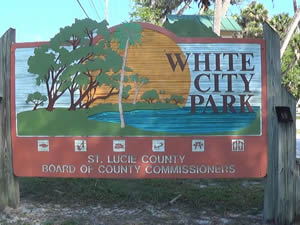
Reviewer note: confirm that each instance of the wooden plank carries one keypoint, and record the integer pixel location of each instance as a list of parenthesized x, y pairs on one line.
[(297, 183), (286, 163), (279, 197), (9, 186), (273, 68)]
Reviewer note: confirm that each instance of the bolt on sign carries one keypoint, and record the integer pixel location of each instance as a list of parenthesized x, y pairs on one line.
[(137, 101)]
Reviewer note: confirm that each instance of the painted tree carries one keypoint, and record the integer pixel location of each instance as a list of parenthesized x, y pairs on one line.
[(37, 99), (139, 82), (177, 99), (74, 62), (46, 65), (127, 34), (150, 96)]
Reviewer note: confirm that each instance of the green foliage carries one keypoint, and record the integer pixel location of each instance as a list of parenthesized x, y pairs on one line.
[(177, 99), (153, 11), (146, 14), (37, 99), (251, 19), (156, 11), (144, 80), (280, 23), (125, 93), (137, 79), (73, 61), (128, 31), (162, 92), (290, 67), (80, 33), (150, 96)]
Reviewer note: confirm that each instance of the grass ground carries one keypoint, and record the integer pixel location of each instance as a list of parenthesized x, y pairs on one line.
[(218, 195), (144, 202)]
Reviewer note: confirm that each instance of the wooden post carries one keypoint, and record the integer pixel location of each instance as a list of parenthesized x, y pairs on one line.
[(279, 196), (297, 181), (9, 186)]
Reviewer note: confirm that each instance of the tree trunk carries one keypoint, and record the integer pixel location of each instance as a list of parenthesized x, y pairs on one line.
[(185, 7), (72, 106), (121, 86), (225, 6), (135, 96), (50, 106), (218, 17), (295, 5), (295, 10), (221, 7), (137, 90), (35, 107), (290, 32)]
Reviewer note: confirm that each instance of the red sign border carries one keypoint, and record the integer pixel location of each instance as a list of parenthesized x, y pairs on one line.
[(256, 144)]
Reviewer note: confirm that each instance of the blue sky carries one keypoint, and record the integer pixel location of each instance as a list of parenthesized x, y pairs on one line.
[(39, 20)]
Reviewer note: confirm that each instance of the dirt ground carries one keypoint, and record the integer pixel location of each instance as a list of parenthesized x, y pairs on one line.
[(33, 213), (130, 202)]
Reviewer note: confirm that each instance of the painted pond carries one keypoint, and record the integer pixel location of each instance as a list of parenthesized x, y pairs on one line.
[(181, 121)]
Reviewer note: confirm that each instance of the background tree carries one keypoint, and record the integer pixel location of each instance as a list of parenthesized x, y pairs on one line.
[(155, 11), (252, 18), (37, 99), (280, 23), (127, 34), (150, 96), (139, 82)]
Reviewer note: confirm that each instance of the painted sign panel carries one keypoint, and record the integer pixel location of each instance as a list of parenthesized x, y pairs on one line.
[(148, 105)]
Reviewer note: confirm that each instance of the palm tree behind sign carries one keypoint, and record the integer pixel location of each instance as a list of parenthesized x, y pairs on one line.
[(126, 34)]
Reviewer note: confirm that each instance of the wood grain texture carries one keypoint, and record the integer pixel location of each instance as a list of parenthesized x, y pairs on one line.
[(279, 197), (297, 183), (9, 186)]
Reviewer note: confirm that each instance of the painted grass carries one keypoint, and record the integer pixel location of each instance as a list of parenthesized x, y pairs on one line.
[(62, 122), (252, 129)]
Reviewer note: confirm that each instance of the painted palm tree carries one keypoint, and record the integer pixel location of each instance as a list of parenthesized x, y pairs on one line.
[(127, 34)]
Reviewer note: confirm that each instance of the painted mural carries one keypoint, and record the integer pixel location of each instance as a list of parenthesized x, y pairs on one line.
[(134, 80)]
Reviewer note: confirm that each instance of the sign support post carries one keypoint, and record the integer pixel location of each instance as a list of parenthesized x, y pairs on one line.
[(9, 185), (280, 189)]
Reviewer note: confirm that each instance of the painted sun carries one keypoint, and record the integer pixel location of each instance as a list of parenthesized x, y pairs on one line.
[(149, 60)]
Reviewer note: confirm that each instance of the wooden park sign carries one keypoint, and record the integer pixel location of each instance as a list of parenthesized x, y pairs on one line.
[(137, 101)]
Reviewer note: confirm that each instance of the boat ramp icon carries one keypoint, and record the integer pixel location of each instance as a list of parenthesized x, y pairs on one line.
[(158, 145)]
